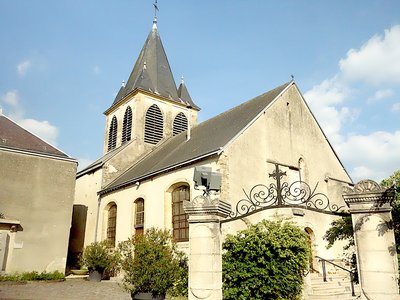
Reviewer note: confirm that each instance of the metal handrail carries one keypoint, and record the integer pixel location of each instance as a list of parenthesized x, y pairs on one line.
[(324, 261)]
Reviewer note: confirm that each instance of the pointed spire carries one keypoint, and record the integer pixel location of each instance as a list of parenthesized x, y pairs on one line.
[(152, 71), (184, 95)]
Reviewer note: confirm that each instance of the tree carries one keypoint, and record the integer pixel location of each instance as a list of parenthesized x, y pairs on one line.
[(266, 261), (394, 180)]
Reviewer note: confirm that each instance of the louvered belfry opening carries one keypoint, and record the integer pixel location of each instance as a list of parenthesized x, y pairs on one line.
[(180, 124), (127, 125), (153, 126), (180, 223), (112, 134)]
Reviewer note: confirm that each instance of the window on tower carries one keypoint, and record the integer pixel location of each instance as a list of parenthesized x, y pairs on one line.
[(154, 125), (180, 124), (127, 125), (112, 134)]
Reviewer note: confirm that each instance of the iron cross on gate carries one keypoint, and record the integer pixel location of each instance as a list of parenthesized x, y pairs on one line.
[(277, 174)]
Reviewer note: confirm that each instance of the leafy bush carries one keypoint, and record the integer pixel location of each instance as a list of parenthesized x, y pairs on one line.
[(31, 276), (266, 261), (99, 256), (152, 264)]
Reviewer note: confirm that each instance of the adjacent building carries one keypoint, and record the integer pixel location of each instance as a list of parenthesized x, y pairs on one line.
[(37, 185)]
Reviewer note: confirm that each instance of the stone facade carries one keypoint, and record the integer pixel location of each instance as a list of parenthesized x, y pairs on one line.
[(374, 239)]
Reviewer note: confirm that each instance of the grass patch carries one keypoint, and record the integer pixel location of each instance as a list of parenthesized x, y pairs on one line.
[(33, 276)]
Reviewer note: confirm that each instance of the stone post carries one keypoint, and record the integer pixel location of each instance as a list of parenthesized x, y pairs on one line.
[(205, 257), (370, 211)]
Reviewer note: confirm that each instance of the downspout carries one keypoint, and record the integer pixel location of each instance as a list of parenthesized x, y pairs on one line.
[(97, 218), (189, 123)]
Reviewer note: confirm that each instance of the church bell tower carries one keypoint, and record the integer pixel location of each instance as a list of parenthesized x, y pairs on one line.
[(147, 110)]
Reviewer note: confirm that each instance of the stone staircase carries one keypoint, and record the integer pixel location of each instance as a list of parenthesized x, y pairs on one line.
[(337, 286)]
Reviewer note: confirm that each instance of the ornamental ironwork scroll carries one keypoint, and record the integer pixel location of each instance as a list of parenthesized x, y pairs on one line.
[(283, 194)]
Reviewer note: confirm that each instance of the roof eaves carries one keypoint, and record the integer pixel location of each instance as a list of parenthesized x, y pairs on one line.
[(90, 168), (39, 154), (151, 174)]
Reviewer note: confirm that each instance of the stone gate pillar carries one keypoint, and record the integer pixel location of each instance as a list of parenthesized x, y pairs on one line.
[(205, 257), (370, 210)]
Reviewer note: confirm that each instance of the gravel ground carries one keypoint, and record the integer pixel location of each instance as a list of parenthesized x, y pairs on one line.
[(68, 289)]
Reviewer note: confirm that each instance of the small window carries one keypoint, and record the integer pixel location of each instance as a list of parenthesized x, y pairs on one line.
[(180, 224), (112, 224), (154, 125), (112, 134), (139, 216), (127, 125), (180, 124)]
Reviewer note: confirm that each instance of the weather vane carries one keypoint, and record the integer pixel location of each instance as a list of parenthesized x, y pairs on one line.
[(155, 8)]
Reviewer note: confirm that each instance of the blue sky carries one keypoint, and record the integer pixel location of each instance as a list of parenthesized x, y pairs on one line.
[(62, 62)]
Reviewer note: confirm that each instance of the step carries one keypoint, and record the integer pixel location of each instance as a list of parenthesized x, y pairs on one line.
[(331, 297)]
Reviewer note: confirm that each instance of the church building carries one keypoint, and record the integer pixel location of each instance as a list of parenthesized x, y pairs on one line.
[(273, 158)]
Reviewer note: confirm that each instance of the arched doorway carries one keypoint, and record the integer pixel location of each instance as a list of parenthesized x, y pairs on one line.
[(313, 260)]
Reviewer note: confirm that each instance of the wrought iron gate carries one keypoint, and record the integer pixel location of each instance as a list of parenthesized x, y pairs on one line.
[(282, 194)]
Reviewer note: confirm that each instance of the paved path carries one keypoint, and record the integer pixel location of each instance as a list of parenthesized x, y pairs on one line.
[(69, 289)]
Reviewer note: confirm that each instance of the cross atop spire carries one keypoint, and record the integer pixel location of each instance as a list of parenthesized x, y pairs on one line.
[(155, 9)]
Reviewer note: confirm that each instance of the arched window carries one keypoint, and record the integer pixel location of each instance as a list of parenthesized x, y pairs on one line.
[(112, 134), (127, 125), (180, 124), (153, 125), (139, 216), (180, 225), (303, 170), (112, 224)]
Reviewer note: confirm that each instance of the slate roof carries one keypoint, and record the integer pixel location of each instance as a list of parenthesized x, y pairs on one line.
[(152, 73), (183, 94), (206, 139), (13, 136)]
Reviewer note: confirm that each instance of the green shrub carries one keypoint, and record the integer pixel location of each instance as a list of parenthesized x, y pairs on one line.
[(32, 276), (152, 264), (266, 261), (99, 256)]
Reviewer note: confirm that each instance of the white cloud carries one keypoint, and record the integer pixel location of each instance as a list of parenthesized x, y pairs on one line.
[(381, 94), (374, 155), (11, 98), (330, 91), (42, 129), (377, 61), (322, 99), (23, 67), (396, 106)]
